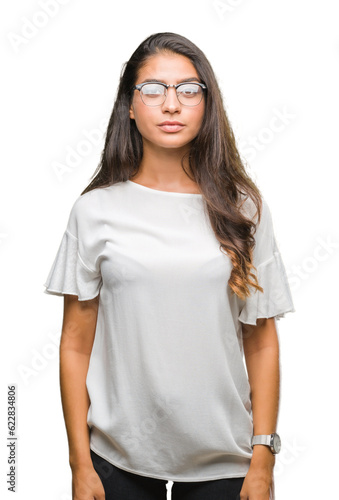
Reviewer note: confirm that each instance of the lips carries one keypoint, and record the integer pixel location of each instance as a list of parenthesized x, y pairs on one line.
[(171, 126)]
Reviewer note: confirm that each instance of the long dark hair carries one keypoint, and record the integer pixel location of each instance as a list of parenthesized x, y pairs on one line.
[(213, 158)]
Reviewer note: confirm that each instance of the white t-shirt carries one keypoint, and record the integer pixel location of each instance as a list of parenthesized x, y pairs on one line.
[(169, 391)]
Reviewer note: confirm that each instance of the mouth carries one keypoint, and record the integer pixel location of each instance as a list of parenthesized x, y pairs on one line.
[(171, 126)]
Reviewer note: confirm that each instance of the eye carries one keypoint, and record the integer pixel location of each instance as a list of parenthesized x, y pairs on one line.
[(189, 89), (153, 90)]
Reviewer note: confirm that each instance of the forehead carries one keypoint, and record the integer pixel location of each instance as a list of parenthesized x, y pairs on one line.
[(168, 68)]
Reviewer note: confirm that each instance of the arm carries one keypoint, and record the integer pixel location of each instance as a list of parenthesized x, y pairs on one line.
[(261, 350), (78, 331)]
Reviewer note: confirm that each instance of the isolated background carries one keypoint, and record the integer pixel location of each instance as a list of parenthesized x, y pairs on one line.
[(272, 58)]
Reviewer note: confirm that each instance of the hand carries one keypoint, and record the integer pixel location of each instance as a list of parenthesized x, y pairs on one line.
[(86, 484), (258, 483)]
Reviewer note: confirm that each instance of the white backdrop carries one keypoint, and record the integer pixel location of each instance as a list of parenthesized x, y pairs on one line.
[(277, 65)]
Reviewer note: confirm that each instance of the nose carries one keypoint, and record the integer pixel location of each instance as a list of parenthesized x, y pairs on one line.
[(171, 102)]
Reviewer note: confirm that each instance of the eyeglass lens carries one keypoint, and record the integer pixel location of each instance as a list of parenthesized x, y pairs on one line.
[(189, 94)]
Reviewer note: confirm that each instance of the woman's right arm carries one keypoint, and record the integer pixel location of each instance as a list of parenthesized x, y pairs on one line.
[(78, 331)]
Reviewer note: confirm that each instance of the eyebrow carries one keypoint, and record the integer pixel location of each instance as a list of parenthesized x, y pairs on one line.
[(154, 80)]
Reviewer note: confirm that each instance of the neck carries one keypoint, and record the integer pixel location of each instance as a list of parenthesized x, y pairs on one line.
[(162, 167)]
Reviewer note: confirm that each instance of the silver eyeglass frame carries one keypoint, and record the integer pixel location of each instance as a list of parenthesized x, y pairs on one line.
[(167, 86)]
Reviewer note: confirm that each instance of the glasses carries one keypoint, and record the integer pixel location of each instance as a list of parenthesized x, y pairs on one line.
[(154, 94)]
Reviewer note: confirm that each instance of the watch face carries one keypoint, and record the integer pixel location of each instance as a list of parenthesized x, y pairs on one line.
[(276, 443)]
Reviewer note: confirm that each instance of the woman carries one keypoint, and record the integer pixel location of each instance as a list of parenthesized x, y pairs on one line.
[(170, 273)]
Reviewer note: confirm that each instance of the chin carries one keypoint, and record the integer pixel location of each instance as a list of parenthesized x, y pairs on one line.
[(171, 142), (173, 145)]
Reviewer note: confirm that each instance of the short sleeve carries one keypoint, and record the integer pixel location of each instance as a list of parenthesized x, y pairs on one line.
[(71, 272), (276, 299)]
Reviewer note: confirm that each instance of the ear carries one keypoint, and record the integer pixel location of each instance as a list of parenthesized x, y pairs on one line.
[(131, 112)]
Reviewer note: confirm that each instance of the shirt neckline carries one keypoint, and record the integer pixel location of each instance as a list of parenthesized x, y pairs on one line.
[(170, 193)]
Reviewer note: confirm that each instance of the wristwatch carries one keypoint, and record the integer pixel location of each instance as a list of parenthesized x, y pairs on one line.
[(272, 440)]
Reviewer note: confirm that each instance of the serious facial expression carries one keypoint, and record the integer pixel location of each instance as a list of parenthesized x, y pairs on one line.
[(171, 69)]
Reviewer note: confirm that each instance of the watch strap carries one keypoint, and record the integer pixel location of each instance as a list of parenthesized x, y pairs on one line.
[(262, 439)]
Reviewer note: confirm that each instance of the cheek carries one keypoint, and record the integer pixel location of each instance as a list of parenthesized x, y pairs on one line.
[(144, 125), (143, 116), (198, 118)]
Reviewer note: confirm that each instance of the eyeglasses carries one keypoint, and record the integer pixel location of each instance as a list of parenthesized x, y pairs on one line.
[(154, 94)]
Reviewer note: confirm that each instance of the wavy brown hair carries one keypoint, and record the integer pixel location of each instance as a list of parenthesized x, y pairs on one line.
[(213, 159)]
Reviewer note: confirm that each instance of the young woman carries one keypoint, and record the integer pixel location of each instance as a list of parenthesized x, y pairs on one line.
[(170, 273)]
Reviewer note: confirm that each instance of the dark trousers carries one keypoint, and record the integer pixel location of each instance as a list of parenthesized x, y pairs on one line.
[(123, 485)]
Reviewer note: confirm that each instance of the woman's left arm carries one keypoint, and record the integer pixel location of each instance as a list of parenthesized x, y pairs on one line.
[(261, 350)]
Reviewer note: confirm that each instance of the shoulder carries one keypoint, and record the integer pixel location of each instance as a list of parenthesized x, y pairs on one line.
[(86, 209), (249, 209), (264, 230), (85, 201)]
